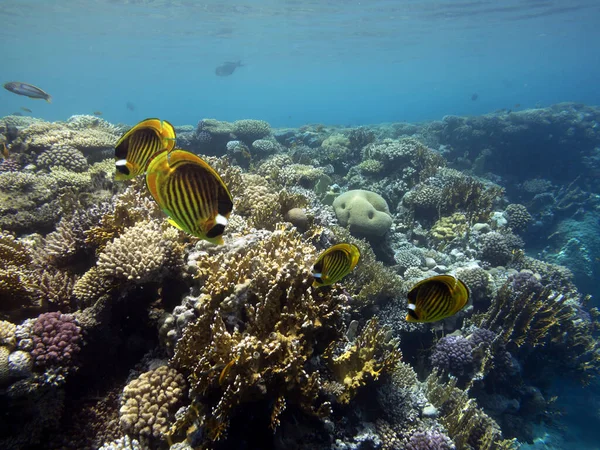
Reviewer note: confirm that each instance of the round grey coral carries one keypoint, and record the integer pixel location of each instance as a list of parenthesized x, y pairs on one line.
[(495, 249), (249, 130), (477, 280), (518, 217), (68, 157), (453, 354)]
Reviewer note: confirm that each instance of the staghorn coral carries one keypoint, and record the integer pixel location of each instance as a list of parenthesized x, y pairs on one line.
[(12, 251), (149, 402), (140, 254), (462, 193), (258, 204), (91, 287), (534, 320), (258, 322), (362, 360)]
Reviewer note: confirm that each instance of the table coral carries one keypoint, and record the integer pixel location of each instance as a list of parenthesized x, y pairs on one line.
[(149, 402)]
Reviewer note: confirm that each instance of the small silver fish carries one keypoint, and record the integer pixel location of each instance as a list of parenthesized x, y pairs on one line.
[(28, 90), (227, 68)]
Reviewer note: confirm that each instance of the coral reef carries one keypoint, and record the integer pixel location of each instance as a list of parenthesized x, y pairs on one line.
[(118, 330)]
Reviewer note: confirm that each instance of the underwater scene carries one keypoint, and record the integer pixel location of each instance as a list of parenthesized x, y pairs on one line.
[(299, 224)]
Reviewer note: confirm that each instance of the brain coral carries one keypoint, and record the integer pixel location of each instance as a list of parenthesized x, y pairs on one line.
[(364, 212), (149, 402)]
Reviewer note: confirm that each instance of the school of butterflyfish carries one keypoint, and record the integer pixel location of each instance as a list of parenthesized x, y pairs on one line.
[(196, 200)]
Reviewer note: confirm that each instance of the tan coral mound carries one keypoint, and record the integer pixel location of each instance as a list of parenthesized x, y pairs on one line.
[(150, 401)]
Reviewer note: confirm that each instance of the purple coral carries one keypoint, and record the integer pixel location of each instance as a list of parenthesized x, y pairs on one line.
[(9, 165), (453, 354), (524, 283), (56, 340), (429, 440), (482, 336)]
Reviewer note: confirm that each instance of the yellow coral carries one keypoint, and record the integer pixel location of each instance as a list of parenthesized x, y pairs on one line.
[(363, 360), (447, 229)]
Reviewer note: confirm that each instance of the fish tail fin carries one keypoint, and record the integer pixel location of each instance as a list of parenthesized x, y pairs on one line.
[(49, 99)]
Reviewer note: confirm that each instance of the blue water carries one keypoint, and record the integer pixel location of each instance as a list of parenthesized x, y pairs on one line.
[(338, 62)]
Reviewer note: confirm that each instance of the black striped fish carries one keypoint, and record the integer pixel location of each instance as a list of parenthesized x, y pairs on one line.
[(436, 298), (139, 144), (191, 193), (335, 263)]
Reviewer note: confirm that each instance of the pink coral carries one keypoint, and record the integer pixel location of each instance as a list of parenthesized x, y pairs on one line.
[(56, 340)]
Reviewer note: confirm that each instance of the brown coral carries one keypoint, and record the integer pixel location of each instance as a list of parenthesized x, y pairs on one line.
[(259, 320), (149, 403), (140, 254)]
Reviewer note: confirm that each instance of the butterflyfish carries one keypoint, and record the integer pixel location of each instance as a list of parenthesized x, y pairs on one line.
[(335, 263), (28, 90), (139, 144), (436, 298), (191, 193)]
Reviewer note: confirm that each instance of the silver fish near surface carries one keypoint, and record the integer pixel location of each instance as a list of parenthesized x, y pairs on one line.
[(227, 68), (28, 90)]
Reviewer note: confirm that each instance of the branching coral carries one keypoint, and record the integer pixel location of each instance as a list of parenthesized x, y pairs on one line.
[(371, 282), (534, 316), (259, 323), (467, 425), (362, 360)]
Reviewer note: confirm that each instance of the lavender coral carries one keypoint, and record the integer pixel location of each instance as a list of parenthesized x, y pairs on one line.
[(453, 354), (56, 340)]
